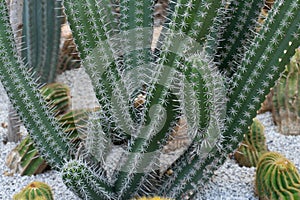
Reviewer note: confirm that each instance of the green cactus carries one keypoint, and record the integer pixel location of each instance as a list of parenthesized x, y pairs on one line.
[(183, 78), (35, 191), (58, 97), (286, 98), (41, 31), (25, 159), (252, 146), (277, 178)]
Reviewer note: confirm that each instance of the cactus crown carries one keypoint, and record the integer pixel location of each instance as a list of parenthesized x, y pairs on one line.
[(277, 178), (35, 191), (143, 93)]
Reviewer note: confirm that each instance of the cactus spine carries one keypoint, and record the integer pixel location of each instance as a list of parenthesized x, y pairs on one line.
[(35, 191), (180, 79), (253, 145), (277, 178)]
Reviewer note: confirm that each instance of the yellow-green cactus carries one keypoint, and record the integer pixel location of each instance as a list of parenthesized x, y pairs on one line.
[(58, 96), (35, 191), (253, 145), (286, 98), (277, 178), (25, 160)]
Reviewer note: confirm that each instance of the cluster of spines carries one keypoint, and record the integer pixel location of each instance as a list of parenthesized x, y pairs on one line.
[(27, 100), (199, 168), (277, 178), (269, 52), (237, 32), (35, 190), (86, 183), (286, 98), (252, 146)]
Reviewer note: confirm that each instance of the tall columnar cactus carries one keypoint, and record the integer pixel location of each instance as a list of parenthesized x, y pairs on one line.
[(277, 178), (252, 146), (41, 30), (286, 98), (181, 79), (35, 191)]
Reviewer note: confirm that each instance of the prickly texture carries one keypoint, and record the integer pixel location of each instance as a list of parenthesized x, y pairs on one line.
[(86, 183), (23, 91), (252, 146), (286, 98), (24, 159), (151, 198), (35, 191), (42, 21), (179, 79), (58, 96), (277, 178)]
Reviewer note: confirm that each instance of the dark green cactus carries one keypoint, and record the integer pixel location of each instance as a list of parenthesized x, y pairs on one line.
[(181, 78), (35, 191), (286, 98), (41, 31), (252, 146), (25, 159), (277, 178)]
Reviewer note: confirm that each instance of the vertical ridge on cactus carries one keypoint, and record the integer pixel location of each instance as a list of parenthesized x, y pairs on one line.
[(277, 178), (143, 94), (31, 107)]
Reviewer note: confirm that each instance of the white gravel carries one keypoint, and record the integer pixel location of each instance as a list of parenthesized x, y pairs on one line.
[(230, 181)]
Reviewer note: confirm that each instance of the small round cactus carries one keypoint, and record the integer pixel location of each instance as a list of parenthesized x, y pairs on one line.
[(277, 178), (35, 191), (252, 146)]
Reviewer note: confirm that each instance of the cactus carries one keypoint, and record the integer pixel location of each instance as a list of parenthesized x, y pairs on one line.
[(286, 99), (183, 78), (41, 37), (25, 160), (252, 146), (58, 97), (35, 191), (151, 198), (276, 178)]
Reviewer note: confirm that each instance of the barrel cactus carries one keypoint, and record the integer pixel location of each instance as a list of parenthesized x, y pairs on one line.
[(25, 159), (277, 178), (58, 97), (286, 98), (201, 70), (35, 191), (252, 146)]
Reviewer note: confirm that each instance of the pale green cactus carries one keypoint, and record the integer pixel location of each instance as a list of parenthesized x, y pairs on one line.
[(183, 78)]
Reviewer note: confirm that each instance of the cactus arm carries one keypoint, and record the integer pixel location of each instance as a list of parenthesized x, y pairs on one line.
[(192, 166), (239, 30), (85, 182), (24, 94), (97, 42), (274, 41), (41, 36), (147, 147)]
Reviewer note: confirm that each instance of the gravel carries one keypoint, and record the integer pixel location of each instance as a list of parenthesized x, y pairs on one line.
[(230, 182)]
